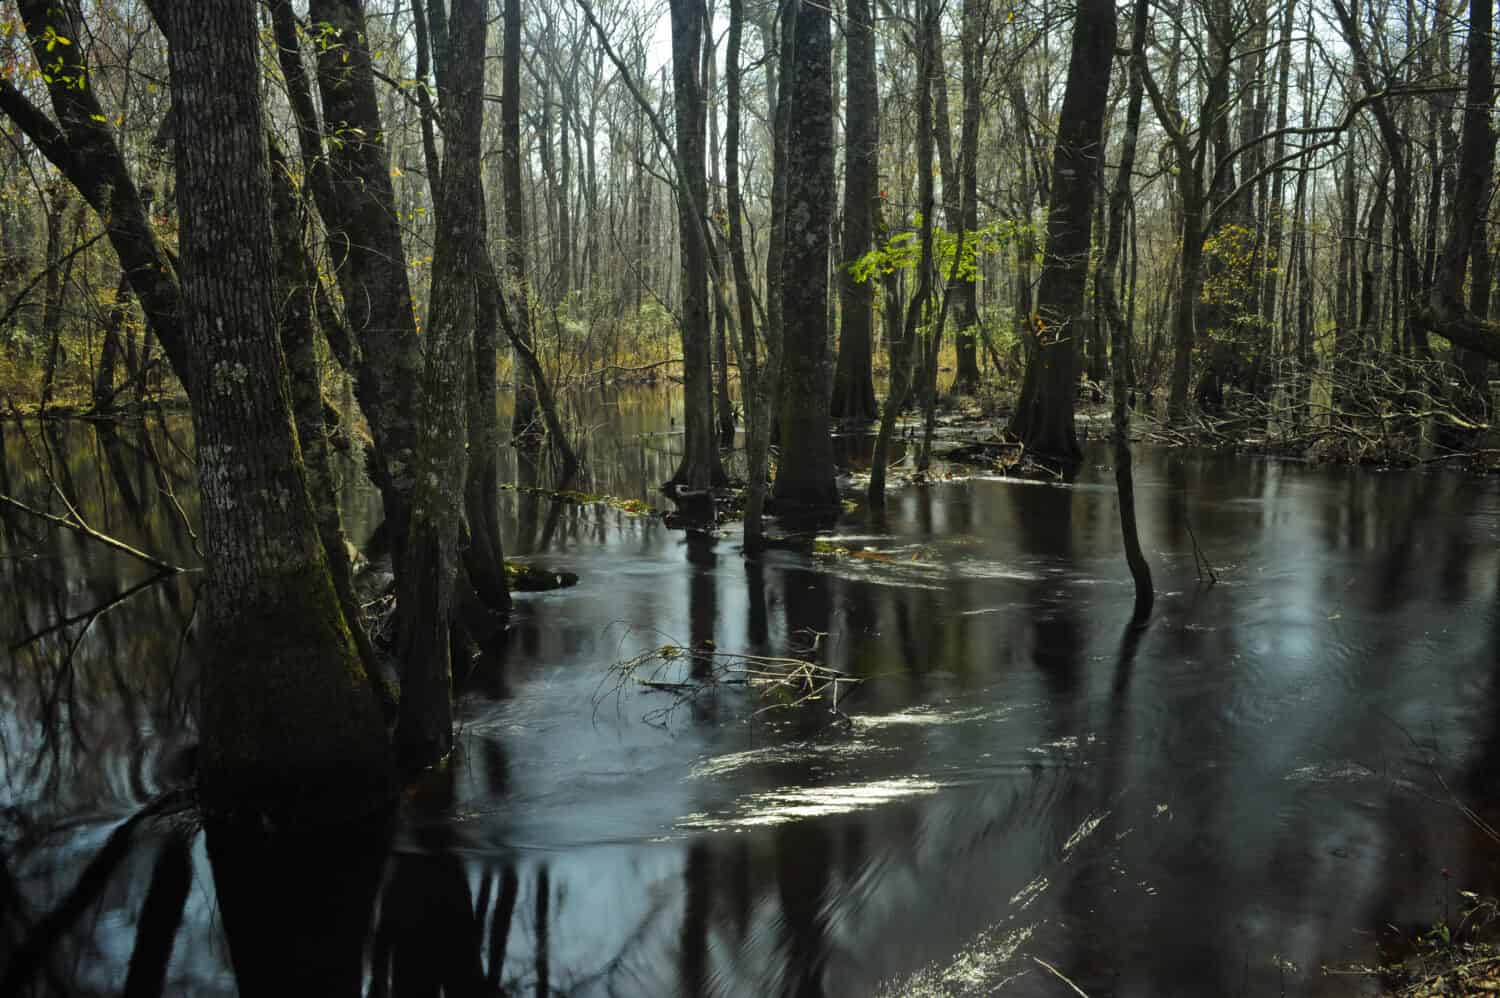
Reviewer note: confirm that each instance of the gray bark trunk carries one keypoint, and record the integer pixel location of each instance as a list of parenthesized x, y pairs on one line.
[(424, 731), (854, 382), (700, 467), (523, 421), (1044, 421), (289, 720), (364, 241), (804, 476)]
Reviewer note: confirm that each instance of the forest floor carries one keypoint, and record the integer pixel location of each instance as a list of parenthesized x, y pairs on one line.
[(1468, 969), (979, 424)]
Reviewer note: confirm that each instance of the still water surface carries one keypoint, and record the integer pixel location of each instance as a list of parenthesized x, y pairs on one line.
[(1255, 788)]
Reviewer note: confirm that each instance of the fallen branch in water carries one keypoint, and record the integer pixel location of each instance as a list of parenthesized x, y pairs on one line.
[(74, 521), (688, 673), (1200, 560), (1060, 976), (77, 525)]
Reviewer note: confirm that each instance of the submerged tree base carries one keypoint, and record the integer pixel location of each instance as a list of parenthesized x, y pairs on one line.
[(292, 725)]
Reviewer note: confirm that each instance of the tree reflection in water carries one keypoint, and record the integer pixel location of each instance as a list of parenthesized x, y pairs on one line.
[(1175, 806)]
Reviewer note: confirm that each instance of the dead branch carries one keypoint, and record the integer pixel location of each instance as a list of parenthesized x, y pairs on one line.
[(77, 525), (1060, 976), (784, 682)]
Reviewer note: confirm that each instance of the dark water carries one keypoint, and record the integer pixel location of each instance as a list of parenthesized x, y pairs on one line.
[(1257, 787)]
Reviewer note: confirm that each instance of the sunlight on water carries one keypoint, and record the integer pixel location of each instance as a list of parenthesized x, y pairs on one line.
[(795, 803), (1018, 778)]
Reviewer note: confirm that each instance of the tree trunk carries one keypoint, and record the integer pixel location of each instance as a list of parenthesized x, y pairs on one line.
[(804, 475), (1044, 420), (966, 293), (424, 603), (902, 347), (1140, 570), (1344, 299), (1444, 311), (104, 390), (289, 720), (358, 207), (1275, 265), (1300, 255), (700, 467), (484, 555), (723, 404), (757, 383), (1474, 364), (52, 288), (854, 382), (1476, 159), (524, 415), (483, 552), (1371, 265), (296, 277)]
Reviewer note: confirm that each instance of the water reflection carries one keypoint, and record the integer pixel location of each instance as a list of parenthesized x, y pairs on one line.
[(1184, 810), (307, 901)]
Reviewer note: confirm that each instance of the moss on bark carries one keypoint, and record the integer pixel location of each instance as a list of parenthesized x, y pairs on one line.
[(291, 724)]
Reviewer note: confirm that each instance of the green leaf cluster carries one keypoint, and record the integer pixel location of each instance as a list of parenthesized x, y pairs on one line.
[(903, 251)]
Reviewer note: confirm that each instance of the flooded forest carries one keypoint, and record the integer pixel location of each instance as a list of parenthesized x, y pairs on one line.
[(874, 498)]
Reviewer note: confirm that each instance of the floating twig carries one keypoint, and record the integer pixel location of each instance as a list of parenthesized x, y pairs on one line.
[(795, 682), (1200, 560), (1060, 976)]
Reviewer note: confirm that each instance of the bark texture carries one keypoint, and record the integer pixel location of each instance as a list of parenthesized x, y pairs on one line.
[(854, 381), (524, 415), (1044, 416), (296, 279), (424, 730), (364, 243), (902, 337), (700, 467), (758, 381), (289, 720), (804, 475), (966, 291), (1119, 201)]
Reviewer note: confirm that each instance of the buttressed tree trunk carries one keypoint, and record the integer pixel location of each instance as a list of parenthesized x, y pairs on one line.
[(804, 476), (854, 382), (289, 719), (1044, 418)]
